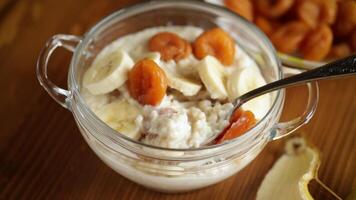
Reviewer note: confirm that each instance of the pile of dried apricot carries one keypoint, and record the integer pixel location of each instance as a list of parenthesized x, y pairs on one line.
[(313, 29)]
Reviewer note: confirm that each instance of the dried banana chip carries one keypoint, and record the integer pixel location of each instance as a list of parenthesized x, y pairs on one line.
[(289, 177)]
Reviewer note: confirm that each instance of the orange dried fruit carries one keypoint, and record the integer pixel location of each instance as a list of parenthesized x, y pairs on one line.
[(147, 82), (309, 12), (313, 12), (241, 7), (287, 38), (317, 43), (353, 40), (264, 24), (236, 115), (328, 11), (346, 18), (170, 46), (340, 50), (215, 42), (342, 28), (273, 8), (242, 122)]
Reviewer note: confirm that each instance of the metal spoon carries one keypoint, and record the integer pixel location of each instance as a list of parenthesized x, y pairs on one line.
[(336, 69)]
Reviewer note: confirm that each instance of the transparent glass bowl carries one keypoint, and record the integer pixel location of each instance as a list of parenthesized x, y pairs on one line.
[(170, 170)]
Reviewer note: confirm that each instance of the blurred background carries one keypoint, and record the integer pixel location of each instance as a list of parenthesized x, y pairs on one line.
[(43, 155)]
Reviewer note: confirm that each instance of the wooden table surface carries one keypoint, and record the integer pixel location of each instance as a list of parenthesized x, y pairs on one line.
[(43, 155)]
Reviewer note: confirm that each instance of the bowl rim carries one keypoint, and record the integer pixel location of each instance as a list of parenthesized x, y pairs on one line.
[(298, 62), (73, 85)]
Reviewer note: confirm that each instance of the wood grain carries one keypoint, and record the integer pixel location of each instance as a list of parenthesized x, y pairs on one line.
[(43, 156)]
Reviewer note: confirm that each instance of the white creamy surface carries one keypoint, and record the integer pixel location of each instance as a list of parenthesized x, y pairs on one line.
[(174, 123)]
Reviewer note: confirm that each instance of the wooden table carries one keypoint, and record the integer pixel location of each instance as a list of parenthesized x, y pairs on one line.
[(43, 155)]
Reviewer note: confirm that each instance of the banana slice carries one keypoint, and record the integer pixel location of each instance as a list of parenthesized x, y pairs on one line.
[(176, 81), (108, 72), (243, 80), (212, 74), (121, 116), (184, 85), (155, 56)]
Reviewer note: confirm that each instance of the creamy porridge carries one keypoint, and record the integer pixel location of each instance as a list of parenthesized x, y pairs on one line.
[(196, 101)]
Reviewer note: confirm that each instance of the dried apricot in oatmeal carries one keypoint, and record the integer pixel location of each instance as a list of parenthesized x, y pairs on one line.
[(288, 37), (147, 82), (215, 42), (273, 8), (236, 115), (317, 44), (170, 46), (241, 7), (243, 121)]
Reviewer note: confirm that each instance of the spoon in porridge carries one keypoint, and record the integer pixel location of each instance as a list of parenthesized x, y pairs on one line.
[(336, 69)]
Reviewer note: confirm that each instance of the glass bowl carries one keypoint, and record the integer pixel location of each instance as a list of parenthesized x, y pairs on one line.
[(170, 170)]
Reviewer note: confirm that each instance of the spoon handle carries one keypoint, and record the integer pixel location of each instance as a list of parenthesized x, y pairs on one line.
[(338, 68)]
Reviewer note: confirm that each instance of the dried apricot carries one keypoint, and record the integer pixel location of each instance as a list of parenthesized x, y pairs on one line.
[(313, 12), (243, 123), (346, 18), (347, 11), (236, 115), (147, 82), (170, 46), (340, 50), (288, 37), (264, 24), (273, 8), (342, 28), (241, 7), (328, 11), (353, 40), (309, 12), (215, 42), (317, 43)]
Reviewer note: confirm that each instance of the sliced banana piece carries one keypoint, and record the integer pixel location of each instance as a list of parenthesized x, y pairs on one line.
[(212, 74), (243, 80), (155, 56), (176, 81), (121, 116), (184, 85), (187, 68), (108, 72)]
